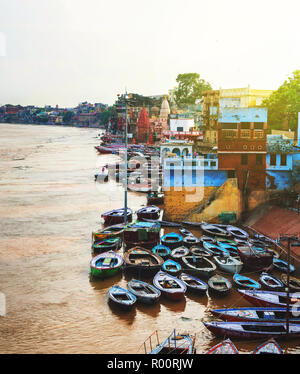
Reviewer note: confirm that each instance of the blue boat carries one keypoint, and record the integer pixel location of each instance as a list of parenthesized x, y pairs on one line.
[(194, 284), (232, 249), (172, 240), (121, 297), (215, 249), (144, 292), (161, 250), (244, 282), (283, 265), (190, 241), (171, 267)]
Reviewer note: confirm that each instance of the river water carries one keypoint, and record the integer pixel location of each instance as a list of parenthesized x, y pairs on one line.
[(49, 206)]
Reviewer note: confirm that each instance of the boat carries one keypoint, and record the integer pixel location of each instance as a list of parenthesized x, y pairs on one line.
[(179, 252), (199, 265), (283, 265), (162, 251), (294, 283), (185, 232), (113, 244), (207, 239), (171, 267), (143, 234), (144, 292), (155, 198), (225, 347), (270, 282), (172, 240), (193, 284), (139, 184), (171, 287), (121, 297), (190, 241), (213, 229), (268, 347), (151, 212), (237, 232), (176, 344), (141, 259), (228, 264), (252, 330), (270, 298), (229, 247), (108, 232), (219, 285), (198, 251), (255, 260), (163, 223), (255, 314), (116, 216), (106, 264), (215, 249), (231, 242), (245, 282)]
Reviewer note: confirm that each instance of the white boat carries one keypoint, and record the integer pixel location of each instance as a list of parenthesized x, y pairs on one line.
[(229, 264)]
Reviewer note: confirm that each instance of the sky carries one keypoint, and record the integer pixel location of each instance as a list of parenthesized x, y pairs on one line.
[(68, 51)]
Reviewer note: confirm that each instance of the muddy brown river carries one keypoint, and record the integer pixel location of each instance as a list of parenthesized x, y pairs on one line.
[(49, 206)]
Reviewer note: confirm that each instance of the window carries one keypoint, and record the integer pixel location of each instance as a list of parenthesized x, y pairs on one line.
[(259, 159), (194, 176), (244, 160), (229, 126), (283, 160), (258, 126), (272, 159), (180, 129), (245, 125)]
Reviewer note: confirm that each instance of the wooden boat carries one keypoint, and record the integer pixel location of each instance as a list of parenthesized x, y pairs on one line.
[(190, 241), (294, 282), (121, 297), (268, 347), (163, 223), (245, 282), (185, 232), (179, 252), (155, 198), (106, 264), (207, 239), (225, 347), (116, 216), (171, 267), (108, 232), (193, 284), (198, 251), (252, 330), (219, 285), (144, 292), (102, 176), (151, 212), (226, 241), (283, 265), (199, 265), (111, 244), (255, 314), (214, 230), (172, 240), (270, 282), (143, 234), (170, 286), (176, 344), (270, 298), (237, 232), (140, 184), (215, 249), (141, 259), (228, 264), (254, 260), (162, 251), (230, 248)]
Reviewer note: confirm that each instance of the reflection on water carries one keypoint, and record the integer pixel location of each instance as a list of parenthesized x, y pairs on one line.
[(49, 206)]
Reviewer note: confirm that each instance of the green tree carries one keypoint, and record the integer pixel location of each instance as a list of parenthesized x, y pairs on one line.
[(67, 116), (190, 88), (284, 103)]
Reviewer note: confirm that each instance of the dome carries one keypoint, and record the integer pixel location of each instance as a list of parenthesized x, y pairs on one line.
[(154, 110), (165, 109)]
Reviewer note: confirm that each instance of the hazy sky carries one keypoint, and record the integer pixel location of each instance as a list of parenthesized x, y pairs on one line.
[(66, 51)]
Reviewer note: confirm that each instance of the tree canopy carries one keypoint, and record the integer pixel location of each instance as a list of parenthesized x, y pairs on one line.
[(284, 104), (190, 88)]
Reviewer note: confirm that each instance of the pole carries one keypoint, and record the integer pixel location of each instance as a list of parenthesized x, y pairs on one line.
[(288, 293), (125, 163)]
